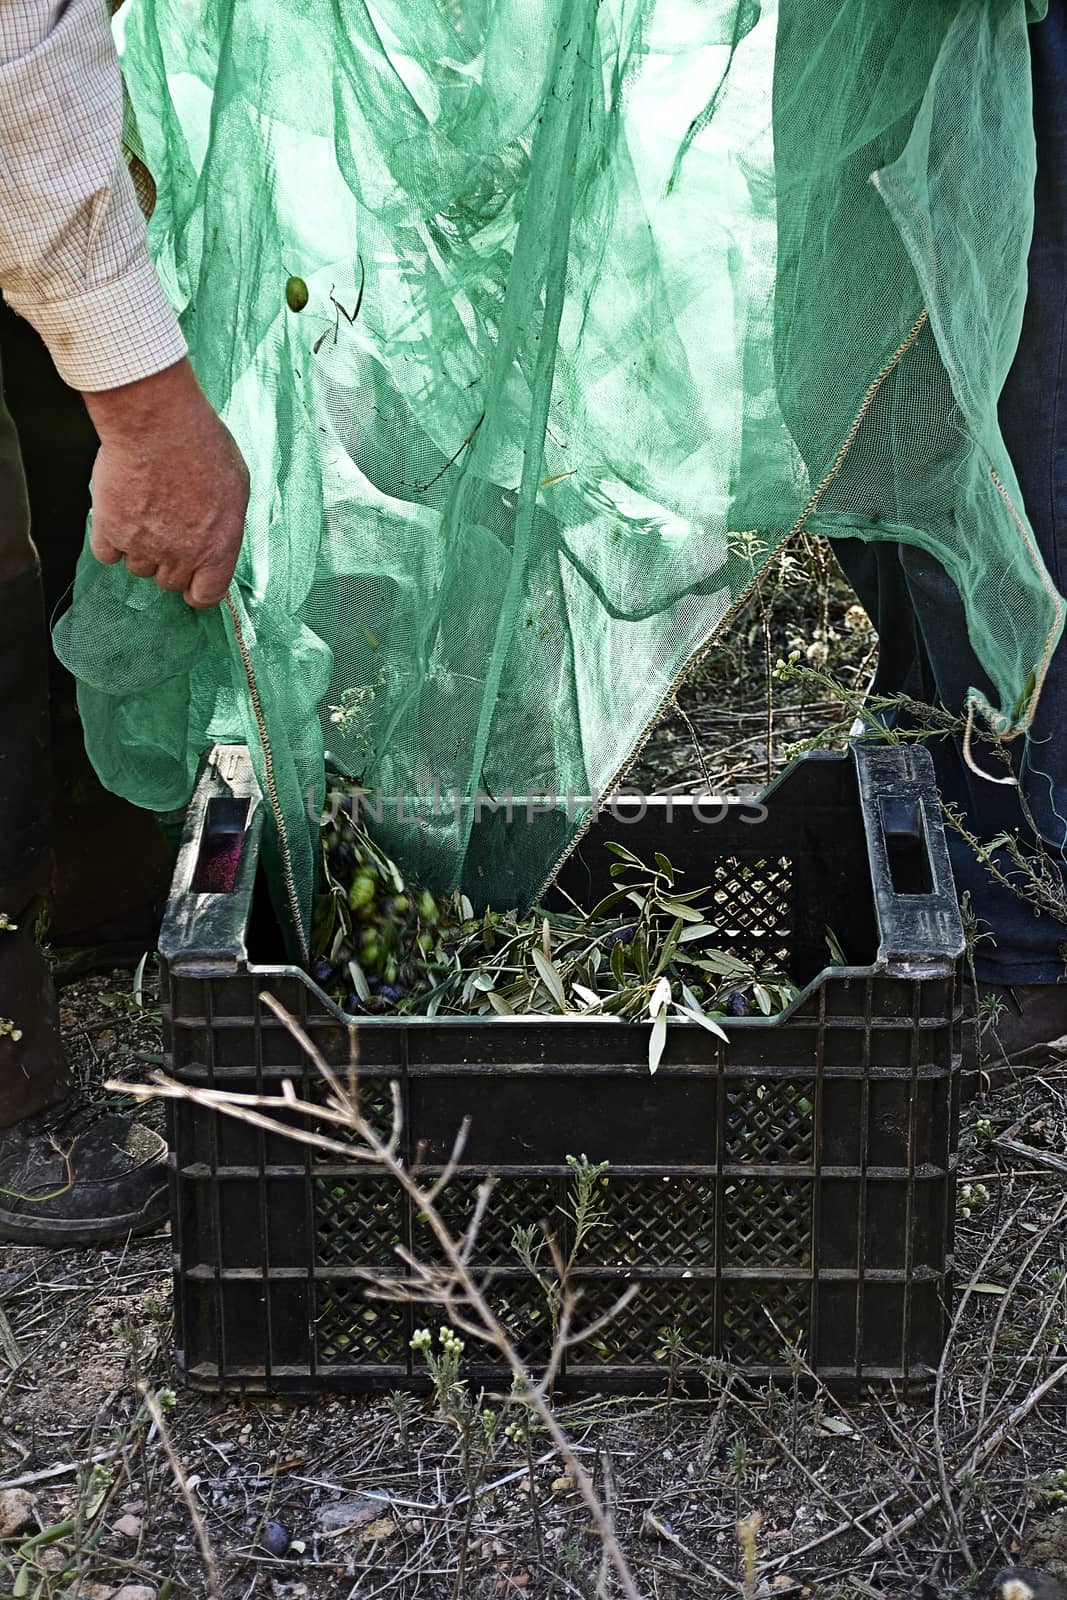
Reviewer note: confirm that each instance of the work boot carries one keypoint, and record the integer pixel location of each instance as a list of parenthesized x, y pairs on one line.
[(79, 1174), (68, 1173), (1011, 1029)]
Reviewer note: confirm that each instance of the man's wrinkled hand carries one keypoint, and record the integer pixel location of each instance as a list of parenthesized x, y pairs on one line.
[(170, 487)]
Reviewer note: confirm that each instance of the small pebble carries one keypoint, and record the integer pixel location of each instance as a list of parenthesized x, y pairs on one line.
[(16, 1512), (1027, 1583), (355, 1512)]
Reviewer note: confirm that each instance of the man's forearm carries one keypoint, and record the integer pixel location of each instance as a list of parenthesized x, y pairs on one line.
[(73, 255), (144, 408)]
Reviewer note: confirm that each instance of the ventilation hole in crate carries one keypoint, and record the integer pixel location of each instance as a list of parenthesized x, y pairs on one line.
[(667, 1221), (351, 1329), (769, 1121), (514, 1203), (358, 1221), (635, 1335), (754, 899), (641, 1221), (767, 1222), (747, 1331), (523, 1308), (376, 1105)]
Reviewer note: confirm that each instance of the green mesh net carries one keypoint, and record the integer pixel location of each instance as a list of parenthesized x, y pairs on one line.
[(605, 299)]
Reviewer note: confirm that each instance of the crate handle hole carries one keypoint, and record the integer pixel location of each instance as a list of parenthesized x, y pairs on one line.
[(222, 840), (904, 832)]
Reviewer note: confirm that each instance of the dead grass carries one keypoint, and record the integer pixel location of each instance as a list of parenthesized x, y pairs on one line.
[(877, 1498)]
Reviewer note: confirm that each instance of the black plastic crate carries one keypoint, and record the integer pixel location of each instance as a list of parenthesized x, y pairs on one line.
[(805, 1170)]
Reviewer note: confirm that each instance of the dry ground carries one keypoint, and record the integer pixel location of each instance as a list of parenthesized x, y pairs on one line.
[(884, 1497), (869, 1499)]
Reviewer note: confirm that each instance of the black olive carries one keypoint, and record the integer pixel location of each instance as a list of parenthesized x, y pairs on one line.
[(274, 1539)]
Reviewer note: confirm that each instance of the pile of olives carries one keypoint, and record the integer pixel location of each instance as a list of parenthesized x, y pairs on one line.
[(374, 942), (380, 945)]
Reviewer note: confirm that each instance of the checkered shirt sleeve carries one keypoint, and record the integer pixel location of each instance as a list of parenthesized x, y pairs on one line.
[(73, 255)]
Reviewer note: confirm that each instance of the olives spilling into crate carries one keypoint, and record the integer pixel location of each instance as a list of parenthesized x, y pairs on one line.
[(649, 949)]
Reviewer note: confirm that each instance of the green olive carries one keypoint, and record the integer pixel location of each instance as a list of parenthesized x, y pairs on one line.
[(296, 294), (362, 891)]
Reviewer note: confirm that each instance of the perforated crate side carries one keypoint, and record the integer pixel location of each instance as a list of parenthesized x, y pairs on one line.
[(795, 1185)]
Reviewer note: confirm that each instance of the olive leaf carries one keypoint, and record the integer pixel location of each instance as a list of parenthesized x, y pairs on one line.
[(359, 979), (675, 908), (705, 1022), (548, 972), (618, 962), (665, 867), (666, 955), (726, 966), (624, 854), (657, 1040), (609, 902), (661, 997)]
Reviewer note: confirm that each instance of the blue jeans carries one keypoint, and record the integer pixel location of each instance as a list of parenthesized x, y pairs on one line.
[(925, 650)]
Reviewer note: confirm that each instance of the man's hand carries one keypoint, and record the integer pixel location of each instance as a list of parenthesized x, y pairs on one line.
[(170, 487)]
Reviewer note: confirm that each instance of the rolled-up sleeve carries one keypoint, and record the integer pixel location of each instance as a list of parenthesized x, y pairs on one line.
[(74, 259)]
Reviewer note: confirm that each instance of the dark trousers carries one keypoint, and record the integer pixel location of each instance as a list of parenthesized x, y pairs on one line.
[(32, 1070), (109, 863), (25, 773), (101, 865), (925, 651)]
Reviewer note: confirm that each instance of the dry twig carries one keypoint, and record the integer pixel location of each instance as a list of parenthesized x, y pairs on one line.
[(452, 1286)]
